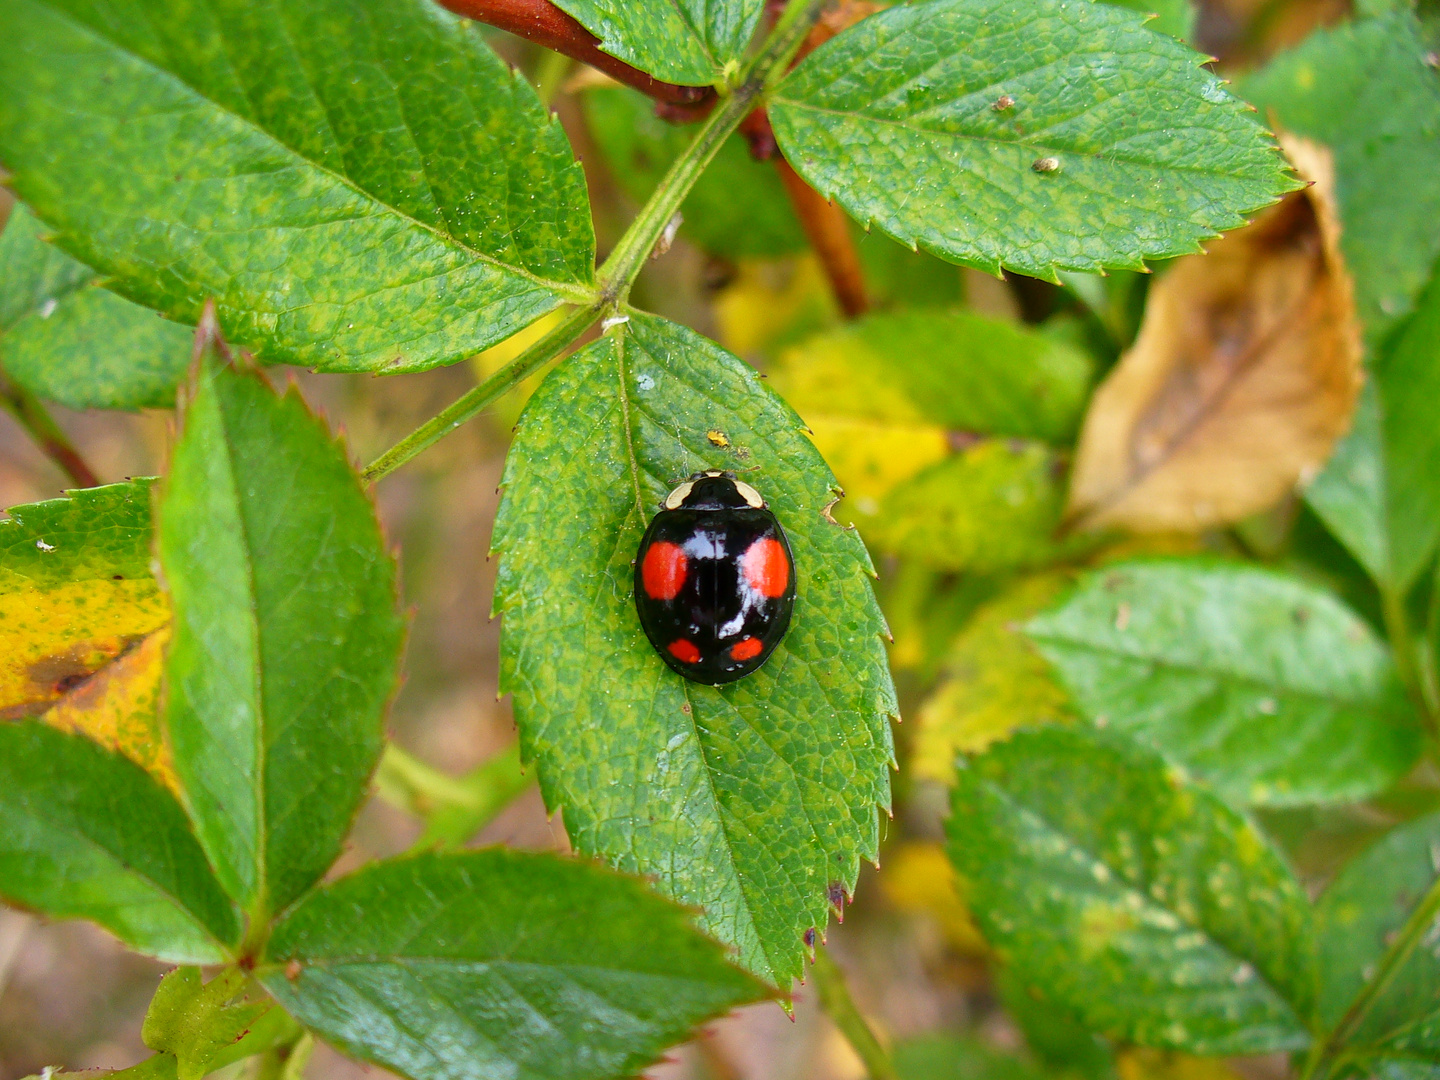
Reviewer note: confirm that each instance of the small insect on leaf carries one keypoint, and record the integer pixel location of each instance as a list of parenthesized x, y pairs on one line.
[(714, 579)]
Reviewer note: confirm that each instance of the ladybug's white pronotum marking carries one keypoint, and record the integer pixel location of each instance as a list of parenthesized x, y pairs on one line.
[(749, 494), (678, 496)]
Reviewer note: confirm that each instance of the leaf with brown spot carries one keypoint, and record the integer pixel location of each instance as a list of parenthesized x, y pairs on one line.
[(1245, 373), (119, 707), (76, 591)]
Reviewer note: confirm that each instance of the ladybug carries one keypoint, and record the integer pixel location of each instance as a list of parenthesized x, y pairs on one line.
[(714, 579)]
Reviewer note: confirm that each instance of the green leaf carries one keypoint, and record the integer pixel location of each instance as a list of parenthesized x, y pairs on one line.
[(1145, 906), (1362, 88), (89, 834), (1173, 17), (993, 506), (691, 42), (94, 533), (197, 1022), (1267, 687), (498, 963), (738, 207), (286, 637), (965, 371), (357, 186), (1356, 919), (65, 339), (1380, 493), (754, 800), (1118, 146)]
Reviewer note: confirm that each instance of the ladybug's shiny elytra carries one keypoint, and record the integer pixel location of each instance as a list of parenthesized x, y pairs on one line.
[(714, 579)]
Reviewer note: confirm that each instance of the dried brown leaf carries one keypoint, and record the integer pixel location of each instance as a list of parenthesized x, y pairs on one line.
[(1245, 373)]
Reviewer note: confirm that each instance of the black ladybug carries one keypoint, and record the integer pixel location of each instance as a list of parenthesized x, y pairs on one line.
[(714, 579)]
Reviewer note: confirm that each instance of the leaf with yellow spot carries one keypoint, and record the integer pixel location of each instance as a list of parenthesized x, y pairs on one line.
[(119, 707), (1139, 903), (996, 681), (76, 591)]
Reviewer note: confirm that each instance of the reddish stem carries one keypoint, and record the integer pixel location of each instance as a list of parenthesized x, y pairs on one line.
[(45, 432), (545, 24), (828, 230)]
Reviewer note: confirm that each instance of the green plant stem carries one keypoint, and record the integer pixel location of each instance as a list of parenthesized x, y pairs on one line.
[(487, 393), (1422, 917), (629, 256), (46, 433), (1402, 645), (836, 1001), (454, 808)]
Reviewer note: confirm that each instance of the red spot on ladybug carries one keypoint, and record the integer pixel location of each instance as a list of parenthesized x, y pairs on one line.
[(685, 651), (766, 566), (746, 648), (663, 570)]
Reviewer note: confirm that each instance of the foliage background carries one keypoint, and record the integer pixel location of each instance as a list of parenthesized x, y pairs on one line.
[(69, 995)]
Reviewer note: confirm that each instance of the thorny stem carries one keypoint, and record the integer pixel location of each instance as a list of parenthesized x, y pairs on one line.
[(828, 230), (487, 393), (1421, 919), (840, 1007), (629, 256), (623, 266), (545, 24), (46, 433)]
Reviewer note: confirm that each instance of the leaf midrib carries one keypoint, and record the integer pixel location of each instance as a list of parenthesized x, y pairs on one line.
[(401, 959), (260, 900), (628, 430), (1071, 845), (1196, 669), (1038, 146), (569, 291)]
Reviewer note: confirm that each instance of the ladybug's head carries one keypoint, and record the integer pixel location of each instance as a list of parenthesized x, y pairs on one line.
[(714, 490)]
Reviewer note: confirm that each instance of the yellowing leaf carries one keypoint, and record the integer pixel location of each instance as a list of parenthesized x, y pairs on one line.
[(83, 624), (918, 877), (996, 681), (119, 707), (870, 456), (1140, 1063), (1246, 371), (51, 638), (772, 303)]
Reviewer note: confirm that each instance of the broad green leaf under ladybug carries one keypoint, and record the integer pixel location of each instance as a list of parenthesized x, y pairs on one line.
[(753, 801)]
